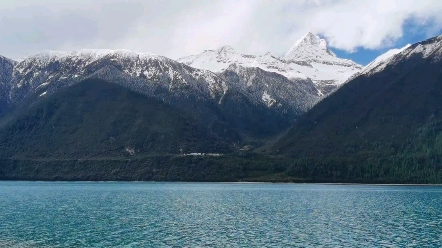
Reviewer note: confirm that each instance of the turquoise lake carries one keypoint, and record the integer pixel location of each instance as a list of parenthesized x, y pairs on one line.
[(114, 214)]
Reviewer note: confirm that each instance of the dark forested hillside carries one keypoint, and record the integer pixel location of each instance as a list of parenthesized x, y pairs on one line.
[(6, 70), (381, 124), (385, 108), (99, 119)]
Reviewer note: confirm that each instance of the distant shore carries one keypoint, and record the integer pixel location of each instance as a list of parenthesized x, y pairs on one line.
[(202, 182)]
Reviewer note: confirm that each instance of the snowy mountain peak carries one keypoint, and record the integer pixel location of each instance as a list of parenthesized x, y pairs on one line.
[(213, 60), (384, 57), (226, 50), (431, 48), (308, 59), (45, 73), (309, 47), (312, 39), (89, 54)]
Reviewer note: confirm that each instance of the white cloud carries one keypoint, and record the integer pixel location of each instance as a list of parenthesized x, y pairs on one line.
[(373, 24), (177, 28)]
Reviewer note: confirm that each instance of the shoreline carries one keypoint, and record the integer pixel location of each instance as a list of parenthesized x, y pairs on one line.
[(245, 182)]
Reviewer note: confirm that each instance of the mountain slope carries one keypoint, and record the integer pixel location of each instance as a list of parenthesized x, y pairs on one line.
[(275, 90), (150, 74), (383, 106), (6, 70), (220, 59), (384, 125), (383, 58), (95, 118), (272, 102), (220, 104), (96, 130), (308, 58)]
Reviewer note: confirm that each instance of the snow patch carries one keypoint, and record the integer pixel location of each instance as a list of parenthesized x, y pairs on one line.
[(130, 150), (268, 99), (427, 49)]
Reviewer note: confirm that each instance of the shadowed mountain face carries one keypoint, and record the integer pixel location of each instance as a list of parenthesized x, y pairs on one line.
[(6, 70), (273, 101), (379, 113), (95, 118)]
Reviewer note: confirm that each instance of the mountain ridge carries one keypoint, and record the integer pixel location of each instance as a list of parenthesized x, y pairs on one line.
[(383, 126), (308, 58), (209, 95)]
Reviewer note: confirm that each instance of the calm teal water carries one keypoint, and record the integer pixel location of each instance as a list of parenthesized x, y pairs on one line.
[(43, 214)]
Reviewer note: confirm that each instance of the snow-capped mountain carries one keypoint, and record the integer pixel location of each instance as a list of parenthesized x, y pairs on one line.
[(428, 48), (270, 104), (310, 48), (218, 60), (47, 72), (384, 57), (308, 58), (395, 104)]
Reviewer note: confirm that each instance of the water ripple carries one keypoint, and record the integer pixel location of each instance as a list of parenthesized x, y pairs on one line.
[(42, 214)]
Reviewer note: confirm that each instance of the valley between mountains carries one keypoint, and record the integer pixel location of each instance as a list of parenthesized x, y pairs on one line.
[(308, 116)]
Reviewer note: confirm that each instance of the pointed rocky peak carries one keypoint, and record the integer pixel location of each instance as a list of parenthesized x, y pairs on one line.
[(312, 39), (309, 46)]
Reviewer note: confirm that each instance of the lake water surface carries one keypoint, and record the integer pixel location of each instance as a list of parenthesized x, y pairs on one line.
[(61, 214)]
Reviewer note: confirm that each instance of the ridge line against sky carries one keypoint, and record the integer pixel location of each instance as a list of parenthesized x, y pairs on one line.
[(355, 29)]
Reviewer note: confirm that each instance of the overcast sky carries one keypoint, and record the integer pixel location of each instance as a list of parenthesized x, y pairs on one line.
[(175, 28)]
